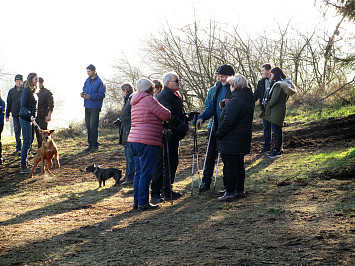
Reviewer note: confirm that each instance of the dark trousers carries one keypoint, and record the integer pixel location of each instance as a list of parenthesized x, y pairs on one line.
[(17, 130), (267, 134), (233, 172), (1, 129), (161, 180), (278, 136), (43, 125), (92, 125), (211, 156)]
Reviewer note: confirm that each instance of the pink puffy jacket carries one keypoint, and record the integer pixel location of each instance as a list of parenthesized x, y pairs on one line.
[(147, 117)]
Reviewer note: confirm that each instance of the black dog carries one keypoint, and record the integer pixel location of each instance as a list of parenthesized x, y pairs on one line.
[(103, 174)]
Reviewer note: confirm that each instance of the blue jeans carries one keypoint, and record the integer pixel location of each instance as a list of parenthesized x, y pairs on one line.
[(267, 134), (130, 167), (92, 125), (26, 127), (278, 136), (145, 157), (17, 130)]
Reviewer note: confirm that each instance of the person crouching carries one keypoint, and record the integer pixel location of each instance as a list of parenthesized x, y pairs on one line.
[(144, 139), (234, 136)]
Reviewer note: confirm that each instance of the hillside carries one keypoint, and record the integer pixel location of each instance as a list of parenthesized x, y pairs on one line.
[(299, 208)]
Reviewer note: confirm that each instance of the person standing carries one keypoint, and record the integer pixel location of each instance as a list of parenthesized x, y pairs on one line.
[(261, 92), (45, 109), (219, 92), (234, 137), (2, 114), (27, 116), (127, 90), (144, 139), (177, 124), (93, 93), (275, 106), (13, 106)]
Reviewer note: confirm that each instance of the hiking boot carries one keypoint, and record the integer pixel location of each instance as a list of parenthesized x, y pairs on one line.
[(148, 206), (221, 192), (227, 197), (155, 198), (128, 182), (263, 150), (88, 149), (135, 207), (205, 186), (239, 195), (25, 170), (174, 195), (94, 149), (274, 154)]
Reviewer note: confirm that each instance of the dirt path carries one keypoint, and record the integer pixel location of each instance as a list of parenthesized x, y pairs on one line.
[(292, 223)]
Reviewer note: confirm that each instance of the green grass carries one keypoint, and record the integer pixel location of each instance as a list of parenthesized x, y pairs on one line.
[(307, 113)]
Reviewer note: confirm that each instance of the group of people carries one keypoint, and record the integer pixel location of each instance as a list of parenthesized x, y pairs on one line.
[(153, 122), (26, 106)]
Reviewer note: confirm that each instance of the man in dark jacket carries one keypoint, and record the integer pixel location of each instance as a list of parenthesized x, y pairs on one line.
[(217, 93), (93, 93), (171, 99), (261, 93), (13, 107), (125, 119), (2, 112), (45, 109)]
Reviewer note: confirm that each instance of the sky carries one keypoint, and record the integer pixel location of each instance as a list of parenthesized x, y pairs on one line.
[(59, 39)]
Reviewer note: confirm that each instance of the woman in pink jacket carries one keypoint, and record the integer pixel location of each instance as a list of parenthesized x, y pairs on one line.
[(145, 138)]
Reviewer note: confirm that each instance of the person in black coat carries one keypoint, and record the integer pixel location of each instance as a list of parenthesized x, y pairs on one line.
[(13, 106), (170, 98), (45, 110), (261, 93), (27, 116), (234, 136)]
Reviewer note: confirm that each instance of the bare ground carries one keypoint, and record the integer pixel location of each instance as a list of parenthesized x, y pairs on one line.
[(66, 220)]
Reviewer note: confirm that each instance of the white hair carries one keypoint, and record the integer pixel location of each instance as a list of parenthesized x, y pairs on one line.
[(168, 77), (239, 82)]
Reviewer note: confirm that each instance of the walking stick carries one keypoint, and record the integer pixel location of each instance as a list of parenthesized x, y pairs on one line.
[(204, 163), (166, 143), (215, 177), (195, 152)]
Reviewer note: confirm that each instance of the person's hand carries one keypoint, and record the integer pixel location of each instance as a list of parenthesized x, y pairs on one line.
[(32, 119), (86, 96), (48, 118), (199, 123), (190, 132), (7, 119)]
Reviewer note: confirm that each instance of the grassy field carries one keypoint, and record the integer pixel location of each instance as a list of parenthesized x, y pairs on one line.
[(299, 208)]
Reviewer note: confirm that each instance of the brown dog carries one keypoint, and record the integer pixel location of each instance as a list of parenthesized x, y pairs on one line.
[(46, 153)]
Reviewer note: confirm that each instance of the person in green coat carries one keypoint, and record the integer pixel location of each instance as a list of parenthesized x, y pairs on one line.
[(275, 106)]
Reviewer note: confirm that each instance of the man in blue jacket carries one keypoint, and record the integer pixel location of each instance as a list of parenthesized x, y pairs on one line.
[(93, 93), (216, 94)]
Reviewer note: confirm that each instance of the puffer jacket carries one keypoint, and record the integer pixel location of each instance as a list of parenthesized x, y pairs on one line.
[(147, 116), (28, 105), (96, 89), (275, 109), (236, 123)]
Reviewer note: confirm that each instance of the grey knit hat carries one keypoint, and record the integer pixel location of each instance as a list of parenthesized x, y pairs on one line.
[(143, 84)]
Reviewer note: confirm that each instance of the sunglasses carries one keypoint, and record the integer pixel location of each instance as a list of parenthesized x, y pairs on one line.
[(176, 81)]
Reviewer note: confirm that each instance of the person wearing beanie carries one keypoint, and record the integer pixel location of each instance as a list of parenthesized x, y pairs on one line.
[(145, 138), (93, 93), (13, 106), (45, 109), (218, 93)]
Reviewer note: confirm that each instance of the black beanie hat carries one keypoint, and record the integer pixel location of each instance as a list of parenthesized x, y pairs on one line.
[(18, 77), (40, 80), (91, 67), (225, 70)]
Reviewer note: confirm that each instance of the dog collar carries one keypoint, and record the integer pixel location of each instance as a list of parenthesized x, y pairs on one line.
[(96, 170)]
